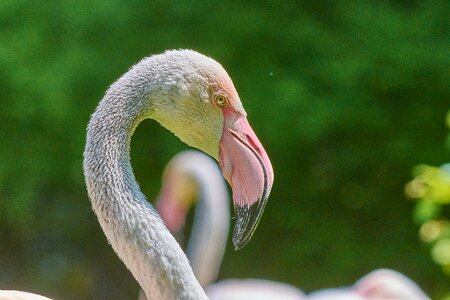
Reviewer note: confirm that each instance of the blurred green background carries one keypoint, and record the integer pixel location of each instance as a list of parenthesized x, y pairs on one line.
[(346, 97)]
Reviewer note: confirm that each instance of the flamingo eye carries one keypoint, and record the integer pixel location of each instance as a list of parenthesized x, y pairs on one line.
[(221, 100)]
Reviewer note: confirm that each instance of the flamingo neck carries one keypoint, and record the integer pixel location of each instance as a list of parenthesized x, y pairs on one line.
[(131, 225), (206, 246), (209, 234)]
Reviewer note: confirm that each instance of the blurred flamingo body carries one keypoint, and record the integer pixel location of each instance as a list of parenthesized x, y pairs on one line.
[(19, 295), (249, 289), (381, 284)]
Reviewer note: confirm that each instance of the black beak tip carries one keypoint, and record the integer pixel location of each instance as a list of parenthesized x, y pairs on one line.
[(247, 219)]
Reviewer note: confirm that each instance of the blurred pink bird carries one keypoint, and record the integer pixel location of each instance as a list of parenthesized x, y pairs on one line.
[(381, 284)]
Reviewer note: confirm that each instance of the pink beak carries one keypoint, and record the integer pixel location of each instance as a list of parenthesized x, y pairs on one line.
[(247, 168)]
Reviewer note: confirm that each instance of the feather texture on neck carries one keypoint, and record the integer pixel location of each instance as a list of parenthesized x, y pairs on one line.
[(153, 88)]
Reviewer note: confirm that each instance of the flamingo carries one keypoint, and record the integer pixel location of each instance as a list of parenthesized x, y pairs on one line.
[(381, 284), (191, 95), (193, 175)]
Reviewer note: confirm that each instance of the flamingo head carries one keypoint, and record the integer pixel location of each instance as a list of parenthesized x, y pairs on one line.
[(205, 112), (178, 193)]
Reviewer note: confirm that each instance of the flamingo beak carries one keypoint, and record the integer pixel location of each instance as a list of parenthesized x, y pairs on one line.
[(247, 168)]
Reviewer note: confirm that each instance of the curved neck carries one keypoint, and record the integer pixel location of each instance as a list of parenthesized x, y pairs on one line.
[(208, 240), (130, 223)]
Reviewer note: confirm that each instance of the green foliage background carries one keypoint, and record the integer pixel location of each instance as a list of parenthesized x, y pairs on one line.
[(346, 96)]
